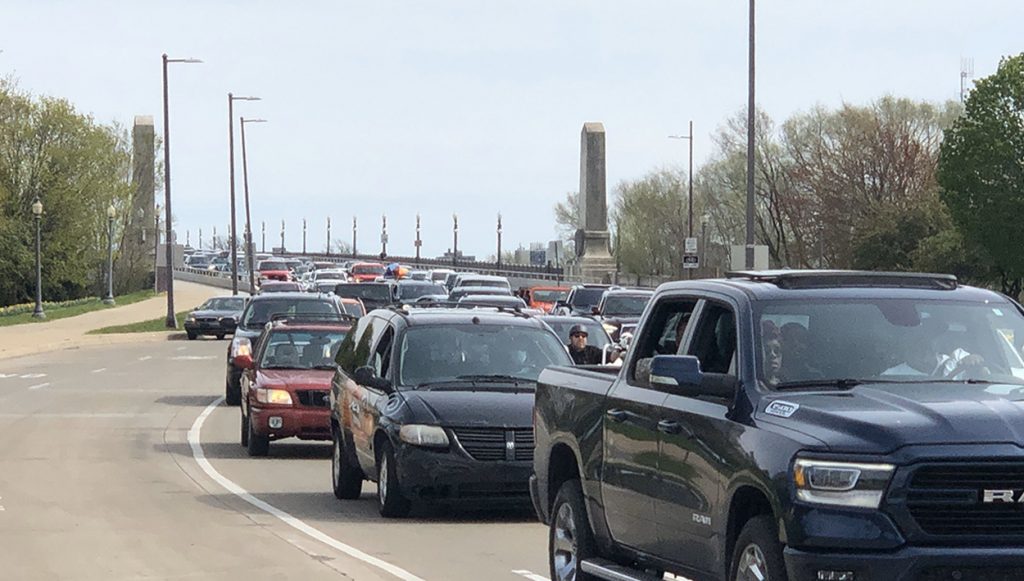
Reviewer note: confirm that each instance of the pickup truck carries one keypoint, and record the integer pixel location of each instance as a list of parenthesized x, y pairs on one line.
[(793, 426)]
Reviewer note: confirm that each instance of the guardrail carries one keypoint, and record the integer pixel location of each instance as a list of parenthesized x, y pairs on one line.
[(210, 277)]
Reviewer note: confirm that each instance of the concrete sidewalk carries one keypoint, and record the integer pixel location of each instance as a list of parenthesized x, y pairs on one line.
[(71, 333)]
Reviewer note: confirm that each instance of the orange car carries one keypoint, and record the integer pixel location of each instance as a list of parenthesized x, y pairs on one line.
[(545, 297)]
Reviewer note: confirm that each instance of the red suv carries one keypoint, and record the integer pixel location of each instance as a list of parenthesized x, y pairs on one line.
[(286, 382), (274, 269), (366, 271)]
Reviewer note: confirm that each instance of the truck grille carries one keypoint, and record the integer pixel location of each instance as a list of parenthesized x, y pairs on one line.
[(316, 398), (972, 574), (496, 444), (946, 500)]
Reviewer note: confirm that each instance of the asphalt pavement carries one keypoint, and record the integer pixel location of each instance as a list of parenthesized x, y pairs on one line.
[(118, 462)]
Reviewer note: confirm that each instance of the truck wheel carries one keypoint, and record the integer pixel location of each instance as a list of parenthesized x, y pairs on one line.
[(232, 396), (245, 431), (220, 336), (191, 336), (390, 501), (347, 480), (257, 445), (758, 553), (570, 540)]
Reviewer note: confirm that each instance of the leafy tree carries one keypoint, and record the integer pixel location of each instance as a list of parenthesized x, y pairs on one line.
[(650, 221), (567, 221), (981, 171)]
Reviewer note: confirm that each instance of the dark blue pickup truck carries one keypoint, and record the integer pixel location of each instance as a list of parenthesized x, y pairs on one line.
[(793, 425)]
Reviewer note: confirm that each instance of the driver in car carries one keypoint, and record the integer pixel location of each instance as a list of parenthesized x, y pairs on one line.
[(581, 353)]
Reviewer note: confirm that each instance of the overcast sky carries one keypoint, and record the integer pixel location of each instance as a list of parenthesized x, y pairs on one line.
[(470, 106)]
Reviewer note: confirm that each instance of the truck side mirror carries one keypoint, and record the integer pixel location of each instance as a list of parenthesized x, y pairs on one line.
[(681, 375), (367, 376)]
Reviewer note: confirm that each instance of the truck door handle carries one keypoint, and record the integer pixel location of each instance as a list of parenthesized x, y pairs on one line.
[(669, 427), (616, 415)]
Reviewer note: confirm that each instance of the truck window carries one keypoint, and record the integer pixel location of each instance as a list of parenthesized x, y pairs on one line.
[(664, 332), (714, 340)]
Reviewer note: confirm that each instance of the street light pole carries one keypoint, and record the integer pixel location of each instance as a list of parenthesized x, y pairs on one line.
[(383, 237), (355, 228), (171, 322), (282, 236), (249, 248), (111, 212), (689, 177), (499, 240), (231, 155), (328, 236), (455, 246), (750, 146), (303, 236), (419, 242), (37, 211)]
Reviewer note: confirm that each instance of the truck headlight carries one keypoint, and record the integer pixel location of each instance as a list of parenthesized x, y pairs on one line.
[(427, 436), (273, 396), (841, 483)]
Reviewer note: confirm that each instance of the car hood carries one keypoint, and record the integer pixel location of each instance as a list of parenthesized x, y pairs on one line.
[(486, 407), (882, 418), (295, 378), (218, 314)]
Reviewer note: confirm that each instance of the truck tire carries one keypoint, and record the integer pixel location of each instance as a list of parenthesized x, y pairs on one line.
[(245, 431), (232, 396), (758, 553), (570, 540), (390, 500), (257, 445), (346, 479), (191, 336)]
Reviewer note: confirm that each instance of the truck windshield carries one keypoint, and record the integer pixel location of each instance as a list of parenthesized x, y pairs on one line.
[(587, 297), (625, 306), (440, 353), (809, 343)]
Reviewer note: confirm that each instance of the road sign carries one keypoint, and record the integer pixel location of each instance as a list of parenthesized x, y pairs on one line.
[(691, 246), (691, 261)]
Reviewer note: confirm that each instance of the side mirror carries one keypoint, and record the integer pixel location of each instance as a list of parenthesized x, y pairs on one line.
[(681, 375), (595, 311), (367, 376), (243, 361)]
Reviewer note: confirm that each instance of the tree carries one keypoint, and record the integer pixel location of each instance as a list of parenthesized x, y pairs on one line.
[(567, 221), (650, 222), (982, 174)]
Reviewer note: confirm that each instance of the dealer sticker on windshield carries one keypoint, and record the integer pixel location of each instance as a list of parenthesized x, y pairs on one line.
[(783, 409)]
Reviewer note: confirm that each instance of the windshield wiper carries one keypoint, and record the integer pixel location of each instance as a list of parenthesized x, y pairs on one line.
[(325, 366), (496, 378), (282, 367), (812, 383)]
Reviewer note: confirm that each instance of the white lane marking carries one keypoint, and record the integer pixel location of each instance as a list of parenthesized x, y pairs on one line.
[(83, 416), (100, 370), (181, 348), (529, 575), (39, 386), (297, 524), (2, 506), (8, 375), (145, 358), (193, 357), (33, 375)]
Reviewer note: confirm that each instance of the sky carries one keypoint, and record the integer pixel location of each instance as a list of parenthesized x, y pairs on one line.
[(467, 106)]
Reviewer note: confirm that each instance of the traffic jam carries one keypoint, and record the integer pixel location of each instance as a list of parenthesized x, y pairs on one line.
[(851, 414)]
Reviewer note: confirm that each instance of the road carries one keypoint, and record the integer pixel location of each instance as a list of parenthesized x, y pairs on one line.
[(99, 480)]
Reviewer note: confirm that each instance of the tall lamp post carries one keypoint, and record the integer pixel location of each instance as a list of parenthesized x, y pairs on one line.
[(355, 231), (328, 236), (231, 154), (383, 237), (499, 240), (303, 236), (455, 237), (751, 134), (37, 211), (419, 242), (250, 248), (171, 321), (111, 213), (689, 177)]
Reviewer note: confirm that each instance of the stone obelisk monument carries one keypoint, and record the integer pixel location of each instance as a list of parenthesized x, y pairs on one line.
[(593, 239)]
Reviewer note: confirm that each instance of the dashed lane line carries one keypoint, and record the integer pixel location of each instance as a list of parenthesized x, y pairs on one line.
[(145, 358), (197, 453), (32, 376), (530, 575), (39, 386), (100, 370)]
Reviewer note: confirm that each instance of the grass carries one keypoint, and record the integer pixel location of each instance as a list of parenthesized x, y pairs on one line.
[(62, 312), (151, 326)]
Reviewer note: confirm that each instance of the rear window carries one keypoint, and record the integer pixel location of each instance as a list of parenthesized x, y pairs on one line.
[(414, 291), (587, 297), (378, 292), (549, 296), (625, 306), (273, 265), (374, 269), (262, 311)]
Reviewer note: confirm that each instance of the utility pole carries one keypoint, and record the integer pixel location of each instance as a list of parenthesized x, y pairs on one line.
[(383, 236), (419, 242), (355, 251), (455, 246), (499, 239), (263, 243), (328, 236), (303, 236), (689, 203), (751, 135)]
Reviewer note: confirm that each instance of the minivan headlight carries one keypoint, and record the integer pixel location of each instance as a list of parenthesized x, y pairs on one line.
[(427, 436), (849, 484)]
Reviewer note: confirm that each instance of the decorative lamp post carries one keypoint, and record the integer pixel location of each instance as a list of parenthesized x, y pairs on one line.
[(328, 236), (419, 242), (111, 214), (37, 211), (499, 240), (303, 236), (455, 233), (355, 229), (383, 237)]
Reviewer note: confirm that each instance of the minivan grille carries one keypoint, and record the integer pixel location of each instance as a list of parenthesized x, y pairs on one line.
[(947, 500), (496, 444)]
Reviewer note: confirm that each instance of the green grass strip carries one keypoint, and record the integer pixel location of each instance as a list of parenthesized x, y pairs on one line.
[(151, 326), (74, 309)]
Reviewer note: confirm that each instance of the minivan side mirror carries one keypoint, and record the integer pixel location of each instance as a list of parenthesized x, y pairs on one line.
[(681, 375), (367, 376)]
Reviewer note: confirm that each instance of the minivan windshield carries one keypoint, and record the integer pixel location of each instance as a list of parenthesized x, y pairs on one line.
[(814, 343), (453, 353)]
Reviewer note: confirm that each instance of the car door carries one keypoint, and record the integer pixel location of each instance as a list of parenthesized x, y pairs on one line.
[(351, 356), (693, 455), (373, 399), (629, 485)]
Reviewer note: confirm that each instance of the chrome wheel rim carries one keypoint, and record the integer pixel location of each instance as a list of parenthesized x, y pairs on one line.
[(563, 544), (752, 566), (382, 480), (336, 462)]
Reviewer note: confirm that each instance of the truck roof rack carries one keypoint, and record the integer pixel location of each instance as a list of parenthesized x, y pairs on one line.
[(812, 279)]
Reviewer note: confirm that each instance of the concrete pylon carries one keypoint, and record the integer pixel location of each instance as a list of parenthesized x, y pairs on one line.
[(593, 239)]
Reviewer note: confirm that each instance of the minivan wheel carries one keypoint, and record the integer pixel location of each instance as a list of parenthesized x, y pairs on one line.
[(570, 540), (758, 553), (347, 480), (390, 500)]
